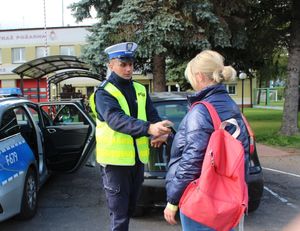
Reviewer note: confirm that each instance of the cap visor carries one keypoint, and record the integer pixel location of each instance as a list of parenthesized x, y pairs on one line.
[(126, 59)]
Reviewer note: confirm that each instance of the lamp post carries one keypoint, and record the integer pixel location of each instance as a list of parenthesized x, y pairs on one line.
[(242, 76)]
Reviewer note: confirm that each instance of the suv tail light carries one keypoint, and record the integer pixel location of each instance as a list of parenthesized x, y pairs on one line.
[(252, 145), (251, 136)]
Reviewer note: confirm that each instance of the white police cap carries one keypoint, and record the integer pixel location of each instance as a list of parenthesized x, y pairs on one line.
[(122, 51)]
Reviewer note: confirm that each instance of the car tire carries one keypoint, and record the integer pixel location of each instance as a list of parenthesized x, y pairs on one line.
[(29, 198), (253, 205)]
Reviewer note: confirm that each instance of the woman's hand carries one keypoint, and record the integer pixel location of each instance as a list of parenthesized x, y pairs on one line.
[(169, 214), (156, 142)]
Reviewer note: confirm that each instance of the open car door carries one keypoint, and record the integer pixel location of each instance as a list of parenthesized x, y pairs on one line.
[(69, 135)]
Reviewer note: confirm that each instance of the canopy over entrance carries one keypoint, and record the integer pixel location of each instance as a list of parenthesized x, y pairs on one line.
[(68, 74), (41, 67)]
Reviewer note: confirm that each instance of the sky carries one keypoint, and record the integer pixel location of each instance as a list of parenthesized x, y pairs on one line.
[(16, 14)]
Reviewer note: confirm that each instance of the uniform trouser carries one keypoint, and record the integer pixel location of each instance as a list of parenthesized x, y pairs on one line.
[(122, 186)]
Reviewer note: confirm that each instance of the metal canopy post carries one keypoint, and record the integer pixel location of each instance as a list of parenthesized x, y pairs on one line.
[(22, 84), (38, 89), (49, 88)]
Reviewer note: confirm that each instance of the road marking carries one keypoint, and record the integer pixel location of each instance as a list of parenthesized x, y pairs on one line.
[(283, 200), (287, 173)]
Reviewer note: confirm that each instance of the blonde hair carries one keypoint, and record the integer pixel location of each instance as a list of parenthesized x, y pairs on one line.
[(211, 64)]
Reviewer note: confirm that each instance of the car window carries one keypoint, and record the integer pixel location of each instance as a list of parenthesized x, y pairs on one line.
[(22, 117), (172, 110), (9, 125), (48, 113), (64, 114), (35, 114)]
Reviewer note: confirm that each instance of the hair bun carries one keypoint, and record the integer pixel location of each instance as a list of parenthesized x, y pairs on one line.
[(228, 73)]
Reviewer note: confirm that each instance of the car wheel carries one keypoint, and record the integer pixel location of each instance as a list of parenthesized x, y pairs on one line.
[(253, 205), (29, 199)]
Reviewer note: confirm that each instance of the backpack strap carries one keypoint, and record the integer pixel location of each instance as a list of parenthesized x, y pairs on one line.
[(212, 111), (216, 119), (233, 122)]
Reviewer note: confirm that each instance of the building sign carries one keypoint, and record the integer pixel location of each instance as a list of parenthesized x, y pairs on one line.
[(21, 37), (76, 35)]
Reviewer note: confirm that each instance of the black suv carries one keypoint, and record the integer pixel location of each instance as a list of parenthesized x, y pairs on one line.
[(173, 106)]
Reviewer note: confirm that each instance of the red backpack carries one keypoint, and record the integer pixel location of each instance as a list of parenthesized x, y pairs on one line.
[(219, 197)]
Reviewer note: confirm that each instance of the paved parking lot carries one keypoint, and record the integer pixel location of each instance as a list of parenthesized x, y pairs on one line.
[(76, 202)]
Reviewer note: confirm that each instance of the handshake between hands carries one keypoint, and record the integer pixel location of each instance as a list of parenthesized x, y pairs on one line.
[(160, 132)]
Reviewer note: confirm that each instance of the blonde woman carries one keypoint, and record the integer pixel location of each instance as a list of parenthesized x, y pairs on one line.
[(206, 73)]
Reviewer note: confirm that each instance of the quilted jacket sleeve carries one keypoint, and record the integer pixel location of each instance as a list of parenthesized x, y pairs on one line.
[(188, 151)]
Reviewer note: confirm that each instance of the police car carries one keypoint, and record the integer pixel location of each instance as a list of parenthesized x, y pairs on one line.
[(35, 141)]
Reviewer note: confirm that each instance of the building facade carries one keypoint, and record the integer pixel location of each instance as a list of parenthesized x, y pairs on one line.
[(18, 46), (22, 45)]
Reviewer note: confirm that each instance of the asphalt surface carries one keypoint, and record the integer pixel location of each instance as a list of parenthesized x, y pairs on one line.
[(76, 202)]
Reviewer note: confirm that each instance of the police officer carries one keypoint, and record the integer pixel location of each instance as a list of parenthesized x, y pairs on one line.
[(125, 120)]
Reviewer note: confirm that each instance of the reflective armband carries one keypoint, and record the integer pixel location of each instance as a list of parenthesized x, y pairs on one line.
[(173, 208)]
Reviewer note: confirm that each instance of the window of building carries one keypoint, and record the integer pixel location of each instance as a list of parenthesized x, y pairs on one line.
[(41, 52), (18, 55), (0, 56), (67, 50), (81, 50), (231, 88), (33, 89)]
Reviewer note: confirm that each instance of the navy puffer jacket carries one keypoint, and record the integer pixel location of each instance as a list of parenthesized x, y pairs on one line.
[(191, 139)]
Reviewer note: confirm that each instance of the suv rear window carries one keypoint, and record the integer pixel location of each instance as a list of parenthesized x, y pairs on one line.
[(172, 110)]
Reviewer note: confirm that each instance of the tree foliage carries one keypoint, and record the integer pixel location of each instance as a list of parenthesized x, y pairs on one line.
[(163, 29), (267, 28), (253, 35)]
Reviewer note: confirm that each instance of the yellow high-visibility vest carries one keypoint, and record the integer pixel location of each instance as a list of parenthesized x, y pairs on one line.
[(116, 148), (92, 103)]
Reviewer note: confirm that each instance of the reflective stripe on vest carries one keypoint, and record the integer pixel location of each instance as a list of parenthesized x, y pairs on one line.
[(92, 103), (117, 148)]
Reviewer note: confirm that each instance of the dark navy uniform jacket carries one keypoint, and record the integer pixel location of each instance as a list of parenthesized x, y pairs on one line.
[(109, 110), (190, 142)]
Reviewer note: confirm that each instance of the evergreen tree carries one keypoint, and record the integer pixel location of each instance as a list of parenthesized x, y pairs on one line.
[(251, 34), (175, 29)]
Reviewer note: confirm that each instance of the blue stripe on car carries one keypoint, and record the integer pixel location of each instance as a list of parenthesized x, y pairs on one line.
[(15, 156)]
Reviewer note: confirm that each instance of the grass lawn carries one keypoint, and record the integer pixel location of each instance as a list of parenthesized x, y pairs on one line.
[(273, 103), (266, 123)]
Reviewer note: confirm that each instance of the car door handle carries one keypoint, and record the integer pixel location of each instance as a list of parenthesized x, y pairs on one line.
[(51, 130)]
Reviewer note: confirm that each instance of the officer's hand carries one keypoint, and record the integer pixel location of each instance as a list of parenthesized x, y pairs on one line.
[(160, 128)]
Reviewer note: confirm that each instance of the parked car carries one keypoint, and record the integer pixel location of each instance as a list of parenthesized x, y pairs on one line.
[(174, 106), (35, 141)]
